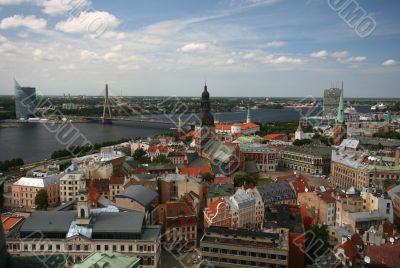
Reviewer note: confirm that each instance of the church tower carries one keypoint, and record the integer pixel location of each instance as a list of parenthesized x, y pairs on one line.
[(205, 132), (340, 127), (83, 207)]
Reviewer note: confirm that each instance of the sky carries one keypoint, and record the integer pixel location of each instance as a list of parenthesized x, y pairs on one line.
[(254, 48)]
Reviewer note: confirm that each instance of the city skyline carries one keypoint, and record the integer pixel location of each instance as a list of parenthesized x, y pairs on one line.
[(254, 48)]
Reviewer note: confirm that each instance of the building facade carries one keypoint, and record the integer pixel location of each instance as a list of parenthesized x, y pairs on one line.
[(70, 185), (331, 101), (232, 248), (266, 158), (76, 234), (359, 169), (25, 189), (308, 159)]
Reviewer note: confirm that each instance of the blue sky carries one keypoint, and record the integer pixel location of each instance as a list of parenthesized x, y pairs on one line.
[(262, 48)]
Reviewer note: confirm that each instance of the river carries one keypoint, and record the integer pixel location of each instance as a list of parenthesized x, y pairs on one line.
[(32, 141)]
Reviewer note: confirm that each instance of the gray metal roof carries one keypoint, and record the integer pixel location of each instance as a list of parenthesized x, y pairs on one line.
[(49, 221), (276, 192), (139, 193), (122, 222)]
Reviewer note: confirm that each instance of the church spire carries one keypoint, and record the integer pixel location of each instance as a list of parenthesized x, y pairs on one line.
[(248, 118), (340, 114)]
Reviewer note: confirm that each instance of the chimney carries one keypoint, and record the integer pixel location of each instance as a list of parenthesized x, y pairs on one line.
[(397, 157)]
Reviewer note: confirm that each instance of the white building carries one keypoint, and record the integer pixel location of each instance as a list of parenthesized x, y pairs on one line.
[(246, 208), (70, 184)]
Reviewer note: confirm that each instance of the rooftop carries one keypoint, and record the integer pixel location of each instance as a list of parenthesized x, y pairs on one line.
[(218, 190), (278, 191), (38, 182), (108, 260), (139, 193), (309, 150)]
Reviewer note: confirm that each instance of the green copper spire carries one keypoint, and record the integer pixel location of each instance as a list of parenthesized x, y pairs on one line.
[(389, 117), (340, 113)]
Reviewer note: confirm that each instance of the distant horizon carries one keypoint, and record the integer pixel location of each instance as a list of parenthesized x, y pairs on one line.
[(240, 47), (211, 97)]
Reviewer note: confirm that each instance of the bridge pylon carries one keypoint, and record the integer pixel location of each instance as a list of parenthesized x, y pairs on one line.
[(107, 118)]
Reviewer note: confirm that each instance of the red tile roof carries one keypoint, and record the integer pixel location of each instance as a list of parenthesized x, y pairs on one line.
[(94, 196), (175, 209), (388, 229), (350, 250), (10, 221), (386, 254), (194, 171), (117, 180), (223, 127), (282, 137), (161, 149)]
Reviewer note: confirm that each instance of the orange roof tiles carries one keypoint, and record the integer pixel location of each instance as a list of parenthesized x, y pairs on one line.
[(10, 221), (178, 209), (194, 171), (161, 149), (275, 136)]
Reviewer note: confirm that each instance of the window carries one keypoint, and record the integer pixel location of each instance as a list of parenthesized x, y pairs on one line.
[(114, 248), (105, 247), (58, 247), (122, 248), (130, 248), (98, 247)]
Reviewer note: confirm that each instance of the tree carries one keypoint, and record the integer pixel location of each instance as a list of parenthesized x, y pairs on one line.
[(161, 159), (242, 179), (41, 200), (140, 155), (208, 177), (302, 142), (317, 243)]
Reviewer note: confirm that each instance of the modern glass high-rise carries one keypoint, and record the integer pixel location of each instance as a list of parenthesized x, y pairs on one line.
[(25, 101), (331, 101)]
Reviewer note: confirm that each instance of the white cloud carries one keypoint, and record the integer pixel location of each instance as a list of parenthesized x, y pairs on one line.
[(390, 62), (68, 67), (286, 60), (276, 44), (230, 62), (192, 47), (93, 24), (249, 55), (88, 55), (40, 55), (320, 54), (116, 48), (357, 59), (2, 39), (128, 67), (57, 7), (340, 54), (30, 22), (111, 56), (13, 2), (51, 7)]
